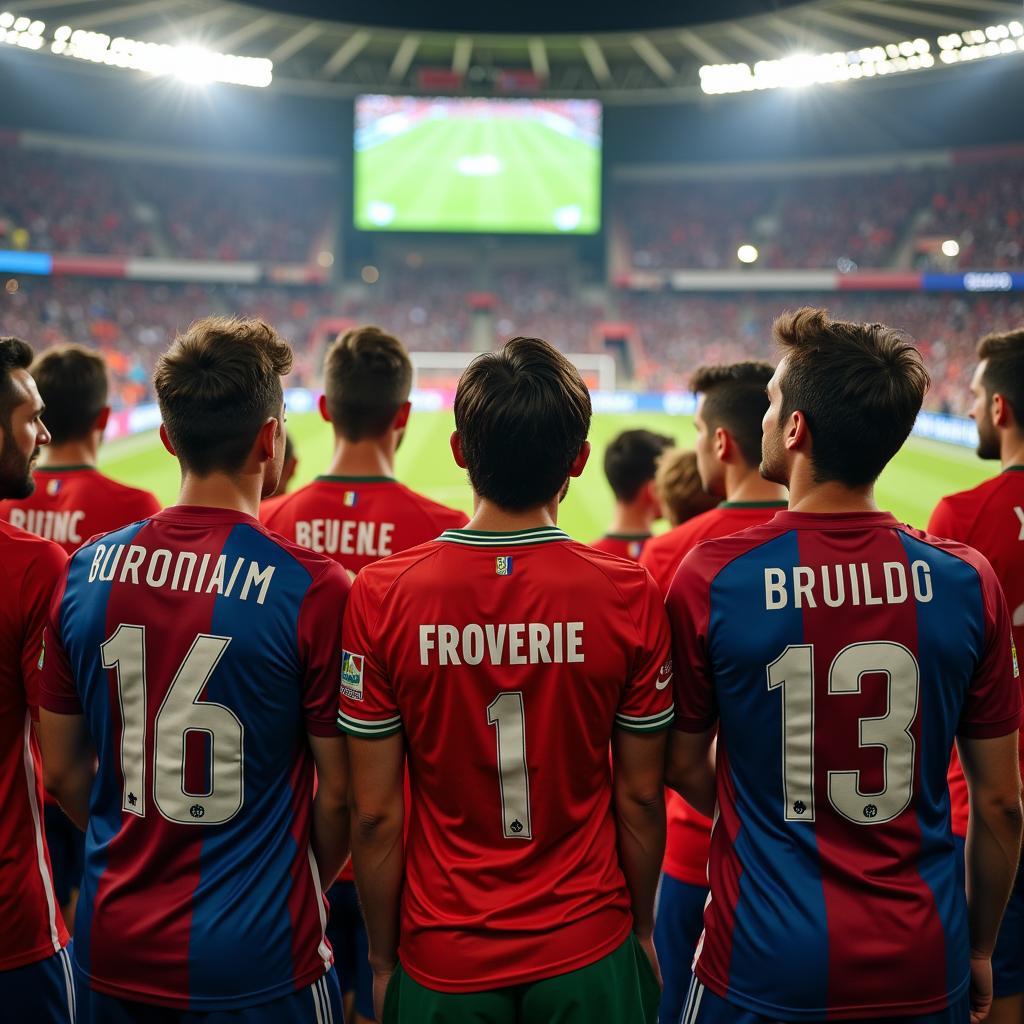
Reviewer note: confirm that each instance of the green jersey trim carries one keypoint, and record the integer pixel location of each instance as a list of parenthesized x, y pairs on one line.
[(513, 538), (64, 469), (754, 504), (326, 478), (1009, 469), (627, 536), (647, 723), (369, 730)]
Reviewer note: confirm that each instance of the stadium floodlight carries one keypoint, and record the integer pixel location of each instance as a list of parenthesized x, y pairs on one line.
[(950, 247), (21, 32), (747, 254)]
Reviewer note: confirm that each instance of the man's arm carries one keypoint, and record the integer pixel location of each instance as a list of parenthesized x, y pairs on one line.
[(378, 856), (69, 762), (691, 768), (638, 765), (331, 812), (993, 849)]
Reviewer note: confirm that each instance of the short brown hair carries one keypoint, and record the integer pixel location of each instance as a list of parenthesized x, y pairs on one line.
[(631, 459), (860, 387), (1004, 372), (735, 398), (523, 415), (367, 378), (72, 382), (217, 385), (15, 354), (678, 486)]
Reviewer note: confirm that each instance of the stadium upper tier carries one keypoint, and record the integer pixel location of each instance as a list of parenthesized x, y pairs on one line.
[(898, 218), (668, 334)]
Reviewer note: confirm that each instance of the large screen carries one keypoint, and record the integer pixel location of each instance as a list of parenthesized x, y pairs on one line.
[(512, 166)]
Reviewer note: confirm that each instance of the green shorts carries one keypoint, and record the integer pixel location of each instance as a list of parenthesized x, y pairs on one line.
[(618, 989)]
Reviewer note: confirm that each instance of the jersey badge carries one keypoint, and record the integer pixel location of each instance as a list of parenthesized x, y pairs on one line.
[(664, 675), (350, 498), (1013, 651), (635, 547), (42, 655), (53, 487), (503, 565), (352, 675)]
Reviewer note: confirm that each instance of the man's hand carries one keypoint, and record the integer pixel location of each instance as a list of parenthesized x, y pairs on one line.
[(381, 979), (981, 987), (647, 945)]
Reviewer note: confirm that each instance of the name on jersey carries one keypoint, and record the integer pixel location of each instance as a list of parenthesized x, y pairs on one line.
[(345, 537), (60, 526), (239, 577), (854, 583), (503, 643)]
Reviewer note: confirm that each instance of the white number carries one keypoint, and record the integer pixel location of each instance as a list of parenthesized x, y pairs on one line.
[(793, 671), (506, 713), (180, 713), (1018, 615)]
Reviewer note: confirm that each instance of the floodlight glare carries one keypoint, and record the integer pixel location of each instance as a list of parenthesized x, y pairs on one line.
[(747, 254), (950, 247)]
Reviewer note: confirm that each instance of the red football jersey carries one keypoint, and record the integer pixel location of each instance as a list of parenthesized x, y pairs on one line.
[(989, 518), (625, 545), (71, 504), (32, 928), (688, 837), (662, 555), (357, 519), (507, 659)]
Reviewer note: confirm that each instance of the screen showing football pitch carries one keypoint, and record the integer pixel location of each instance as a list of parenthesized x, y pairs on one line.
[(500, 166)]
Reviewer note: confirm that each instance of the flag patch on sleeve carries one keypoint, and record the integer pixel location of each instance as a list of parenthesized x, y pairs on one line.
[(352, 675), (503, 565)]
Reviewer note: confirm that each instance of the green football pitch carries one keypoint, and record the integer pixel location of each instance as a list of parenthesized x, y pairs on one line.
[(921, 474), (484, 175)]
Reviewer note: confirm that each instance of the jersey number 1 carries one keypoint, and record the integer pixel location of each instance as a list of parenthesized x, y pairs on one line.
[(793, 672), (180, 713), (507, 714)]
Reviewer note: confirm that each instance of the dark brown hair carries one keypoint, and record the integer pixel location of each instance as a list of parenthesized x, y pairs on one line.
[(631, 459), (860, 387), (15, 354), (217, 385), (1003, 355), (72, 382), (735, 398), (523, 414), (367, 378)]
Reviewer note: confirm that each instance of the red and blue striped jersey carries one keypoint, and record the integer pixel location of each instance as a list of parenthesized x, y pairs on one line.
[(201, 649), (840, 656)]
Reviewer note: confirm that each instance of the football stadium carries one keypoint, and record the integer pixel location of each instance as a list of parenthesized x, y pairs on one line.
[(511, 514)]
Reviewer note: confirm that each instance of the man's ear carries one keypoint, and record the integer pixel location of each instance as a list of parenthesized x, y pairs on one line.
[(167, 441), (580, 462), (402, 416), (1001, 412), (270, 436), (723, 444), (102, 419), (322, 406), (456, 442), (796, 433)]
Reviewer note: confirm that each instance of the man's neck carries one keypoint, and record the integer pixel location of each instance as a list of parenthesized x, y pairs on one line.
[(632, 518), (491, 518), (240, 494), (71, 453), (1011, 449), (746, 485), (373, 457), (808, 495)]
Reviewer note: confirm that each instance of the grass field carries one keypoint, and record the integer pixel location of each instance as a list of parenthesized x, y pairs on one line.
[(501, 175), (921, 474)]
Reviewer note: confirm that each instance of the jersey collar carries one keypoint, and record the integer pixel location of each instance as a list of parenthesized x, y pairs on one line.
[(1014, 469), (753, 504), (328, 479), (64, 469), (513, 538), (833, 520), (627, 536)]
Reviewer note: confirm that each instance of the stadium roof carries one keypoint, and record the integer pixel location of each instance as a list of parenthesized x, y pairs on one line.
[(329, 47)]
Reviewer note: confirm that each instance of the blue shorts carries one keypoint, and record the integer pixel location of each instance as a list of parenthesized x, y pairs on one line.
[(704, 1007), (320, 1003), (43, 992), (347, 935), (1008, 956), (677, 927), (66, 843)]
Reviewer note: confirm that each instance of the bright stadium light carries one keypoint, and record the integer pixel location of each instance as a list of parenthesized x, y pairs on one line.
[(950, 247), (747, 254)]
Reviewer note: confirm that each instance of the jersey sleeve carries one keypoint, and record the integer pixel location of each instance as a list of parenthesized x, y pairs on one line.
[(366, 708), (647, 699), (37, 592), (57, 690), (689, 612), (993, 704), (320, 624)]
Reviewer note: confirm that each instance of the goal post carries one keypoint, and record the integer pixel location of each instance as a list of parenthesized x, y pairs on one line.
[(443, 369)]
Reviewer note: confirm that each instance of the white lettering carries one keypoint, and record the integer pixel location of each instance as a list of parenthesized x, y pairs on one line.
[(1017, 509), (803, 583), (922, 576), (159, 567), (427, 643), (869, 598), (135, 557), (517, 643), (775, 595), (574, 638), (846, 584), (895, 574)]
